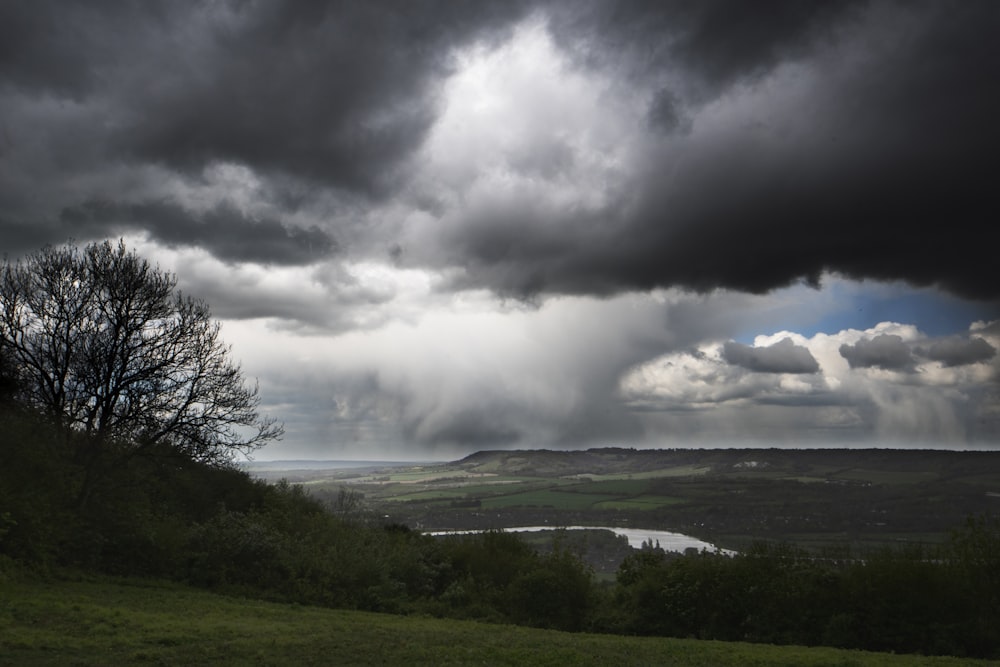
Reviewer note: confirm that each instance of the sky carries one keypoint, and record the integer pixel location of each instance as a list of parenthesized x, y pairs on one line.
[(433, 227)]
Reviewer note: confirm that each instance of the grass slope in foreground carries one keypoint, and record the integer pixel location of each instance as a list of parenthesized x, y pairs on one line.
[(123, 622)]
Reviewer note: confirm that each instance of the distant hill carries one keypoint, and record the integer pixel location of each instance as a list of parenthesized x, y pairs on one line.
[(612, 460), (320, 464)]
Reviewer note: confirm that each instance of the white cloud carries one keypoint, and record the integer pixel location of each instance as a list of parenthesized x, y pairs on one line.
[(518, 110), (521, 136), (926, 402), (469, 371)]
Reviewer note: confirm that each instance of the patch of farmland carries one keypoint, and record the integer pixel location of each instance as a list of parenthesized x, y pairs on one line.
[(546, 498), (418, 496), (648, 502), (624, 487), (674, 471), (805, 479), (888, 476), (493, 487)]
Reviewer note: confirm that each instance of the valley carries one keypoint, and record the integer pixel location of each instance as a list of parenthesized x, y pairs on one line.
[(821, 499)]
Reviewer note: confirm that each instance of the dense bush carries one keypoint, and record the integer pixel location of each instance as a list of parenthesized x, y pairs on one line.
[(170, 516), (908, 599), (497, 576)]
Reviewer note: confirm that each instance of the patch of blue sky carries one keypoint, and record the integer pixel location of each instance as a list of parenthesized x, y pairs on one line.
[(845, 304)]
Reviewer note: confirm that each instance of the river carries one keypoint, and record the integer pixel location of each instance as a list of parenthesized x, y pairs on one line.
[(636, 536)]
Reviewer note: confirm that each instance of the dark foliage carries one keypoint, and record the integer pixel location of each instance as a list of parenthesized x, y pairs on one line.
[(101, 345), (908, 599), (170, 516)]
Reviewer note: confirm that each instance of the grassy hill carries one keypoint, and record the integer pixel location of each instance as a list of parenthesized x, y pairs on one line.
[(168, 517), (107, 621)]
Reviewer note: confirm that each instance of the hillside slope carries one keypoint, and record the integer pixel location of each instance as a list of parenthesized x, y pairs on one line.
[(123, 622), (611, 460)]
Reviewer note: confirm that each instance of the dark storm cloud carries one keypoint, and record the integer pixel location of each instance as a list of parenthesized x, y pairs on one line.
[(313, 96), (20, 237), (665, 111), (879, 164), (886, 351), (338, 94), (960, 351), (782, 357), (224, 231), (60, 49), (716, 42)]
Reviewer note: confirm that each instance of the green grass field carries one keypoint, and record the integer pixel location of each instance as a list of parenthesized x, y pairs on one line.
[(99, 621), (428, 495), (624, 487), (638, 503), (663, 473), (553, 498), (887, 476)]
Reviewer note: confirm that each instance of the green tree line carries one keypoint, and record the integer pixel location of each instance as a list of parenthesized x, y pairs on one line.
[(909, 599)]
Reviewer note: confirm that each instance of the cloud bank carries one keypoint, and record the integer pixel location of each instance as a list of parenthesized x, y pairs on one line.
[(879, 384)]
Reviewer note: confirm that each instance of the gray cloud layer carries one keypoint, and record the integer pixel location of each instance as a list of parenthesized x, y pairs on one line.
[(958, 351), (782, 357), (886, 351), (891, 352), (223, 230)]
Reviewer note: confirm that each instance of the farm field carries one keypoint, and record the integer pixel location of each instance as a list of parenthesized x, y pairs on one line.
[(104, 621)]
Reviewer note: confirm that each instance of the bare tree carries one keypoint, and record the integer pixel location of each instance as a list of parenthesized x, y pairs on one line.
[(105, 346)]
